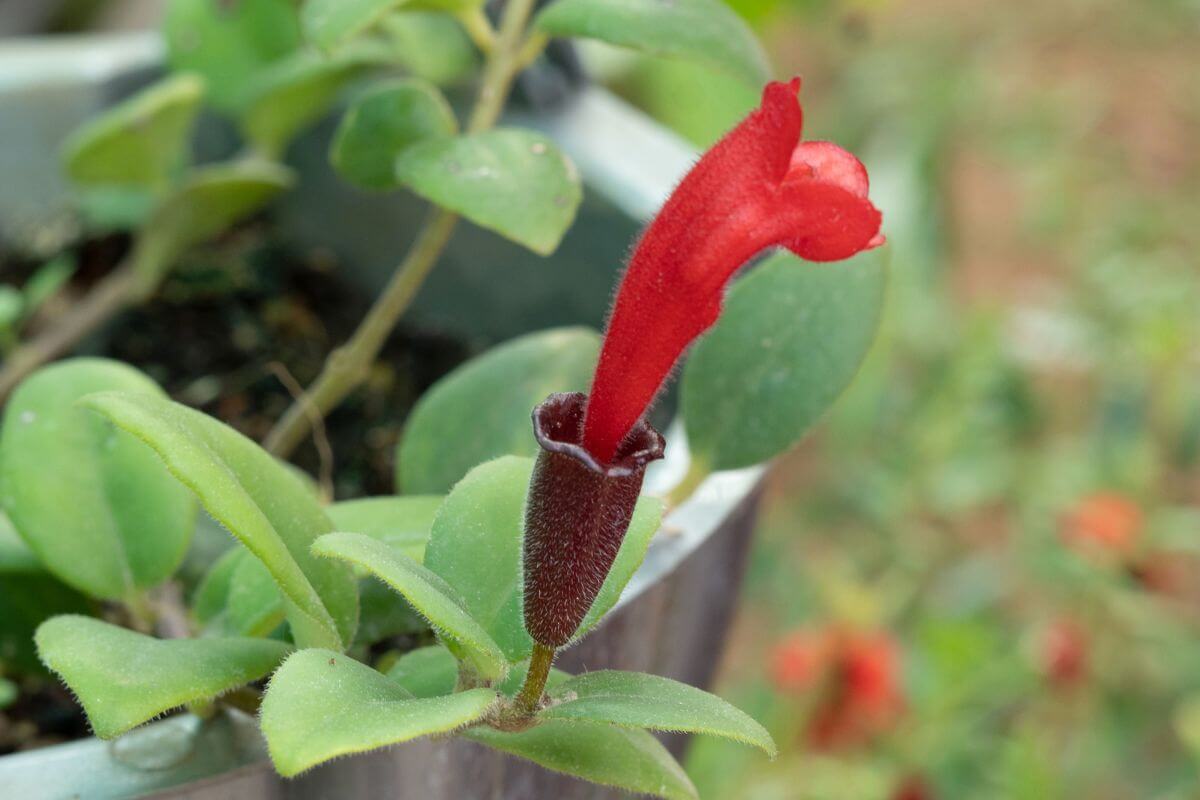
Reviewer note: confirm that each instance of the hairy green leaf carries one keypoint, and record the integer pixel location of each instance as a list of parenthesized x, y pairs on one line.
[(402, 523), (637, 700), (92, 502), (426, 672), (123, 678), (263, 503), (321, 704), (239, 597), (632, 760), (790, 340), (140, 142), (511, 181), (428, 594), (483, 408), (702, 30), (381, 124)]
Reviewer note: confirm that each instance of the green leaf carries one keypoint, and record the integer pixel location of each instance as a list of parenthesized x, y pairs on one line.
[(92, 502), (9, 692), (321, 705), (238, 596), (381, 124), (123, 678), (432, 46), (28, 597), (637, 700), (227, 44), (328, 23), (140, 142), (427, 593), (293, 94), (476, 548), (702, 30), (402, 523), (426, 672), (482, 409), (260, 501), (632, 760), (789, 341), (210, 201), (511, 181)]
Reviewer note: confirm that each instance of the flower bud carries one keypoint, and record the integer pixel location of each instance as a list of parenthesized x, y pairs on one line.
[(576, 517)]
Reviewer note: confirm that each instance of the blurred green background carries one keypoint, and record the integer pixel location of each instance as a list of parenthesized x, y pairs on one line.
[(980, 578)]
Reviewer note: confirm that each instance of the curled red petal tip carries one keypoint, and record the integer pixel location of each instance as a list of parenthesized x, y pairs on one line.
[(759, 187)]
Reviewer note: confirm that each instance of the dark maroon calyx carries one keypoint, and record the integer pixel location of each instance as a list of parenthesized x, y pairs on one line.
[(576, 516)]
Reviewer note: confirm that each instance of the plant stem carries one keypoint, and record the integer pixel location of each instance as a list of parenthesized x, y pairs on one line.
[(535, 680), (346, 367), (112, 295)]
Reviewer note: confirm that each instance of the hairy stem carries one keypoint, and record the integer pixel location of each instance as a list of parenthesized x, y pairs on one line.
[(346, 367), (535, 680), (118, 291)]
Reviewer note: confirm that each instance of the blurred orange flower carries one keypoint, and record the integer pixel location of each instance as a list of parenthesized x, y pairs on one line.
[(856, 675), (1105, 520)]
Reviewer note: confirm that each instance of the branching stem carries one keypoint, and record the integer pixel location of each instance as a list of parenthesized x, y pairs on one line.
[(346, 368)]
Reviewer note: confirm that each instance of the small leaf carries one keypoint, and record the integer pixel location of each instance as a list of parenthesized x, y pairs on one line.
[(637, 700), (702, 30), (238, 596), (427, 593), (28, 597), (140, 142), (381, 124), (402, 523), (212, 200), (632, 760), (293, 94), (476, 548), (260, 501), (484, 406), (426, 672), (123, 678), (328, 23), (321, 705), (514, 182), (432, 46), (790, 340), (93, 503), (227, 44)]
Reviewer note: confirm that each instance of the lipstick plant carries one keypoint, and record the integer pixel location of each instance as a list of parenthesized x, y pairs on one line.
[(507, 541)]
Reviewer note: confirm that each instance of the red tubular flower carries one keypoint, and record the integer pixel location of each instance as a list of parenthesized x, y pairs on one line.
[(759, 187)]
